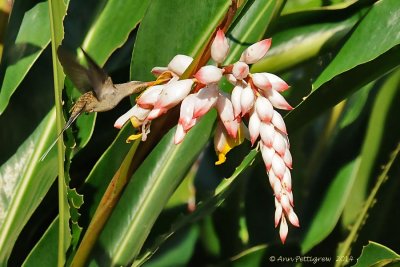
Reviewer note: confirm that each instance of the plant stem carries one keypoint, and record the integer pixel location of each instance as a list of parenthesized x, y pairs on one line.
[(57, 10)]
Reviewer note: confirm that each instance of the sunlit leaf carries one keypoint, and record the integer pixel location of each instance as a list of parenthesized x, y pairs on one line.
[(23, 46), (26, 185), (374, 253)]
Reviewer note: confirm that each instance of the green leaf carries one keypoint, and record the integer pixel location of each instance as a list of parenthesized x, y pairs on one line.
[(298, 44), (158, 41), (206, 207), (23, 45), (332, 92), (362, 65), (250, 257), (298, 6), (28, 184), (109, 31), (251, 26), (338, 192), (374, 140), (147, 193), (359, 49), (345, 248), (331, 207), (374, 253), (179, 252), (44, 253), (98, 178)]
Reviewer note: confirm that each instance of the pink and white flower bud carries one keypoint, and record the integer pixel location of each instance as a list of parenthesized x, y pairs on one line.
[(157, 71), (179, 64), (287, 180), (172, 94), (256, 51), (206, 98), (236, 97), (156, 112), (261, 81), (277, 187), (264, 109), (272, 179), (290, 196), (209, 74), (219, 47), (240, 70), (276, 83), (285, 203), (139, 113), (149, 97), (179, 134), (247, 100), (231, 79), (186, 112), (278, 166), (277, 100), (278, 122), (278, 212), (254, 126), (267, 154), (283, 230), (225, 111), (279, 144), (287, 158), (267, 133), (294, 220), (221, 143)]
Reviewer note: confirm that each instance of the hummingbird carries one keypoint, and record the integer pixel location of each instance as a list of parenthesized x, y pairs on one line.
[(99, 93)]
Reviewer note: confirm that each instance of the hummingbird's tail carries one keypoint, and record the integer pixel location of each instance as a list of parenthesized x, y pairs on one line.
[(73, 117)]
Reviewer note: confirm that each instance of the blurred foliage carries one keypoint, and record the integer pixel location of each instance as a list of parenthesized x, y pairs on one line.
[(341, 59)]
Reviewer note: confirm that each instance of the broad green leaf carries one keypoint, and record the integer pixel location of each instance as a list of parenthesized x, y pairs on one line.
[(359, 49), (345, 248), (298, 6), (331, 207), (361, 64), (251, 26), (179, 252), (374, 139), (147, 193), (28, 184), (250, 257), (332, 92), (158, 39), (44, 253), (204, 208), (373, 253), (334, 200), (99, 179), (112, 27), (298, 44), (23, 45), (109, 31)]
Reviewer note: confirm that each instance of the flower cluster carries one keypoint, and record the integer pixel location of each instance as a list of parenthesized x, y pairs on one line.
[(253, 99)]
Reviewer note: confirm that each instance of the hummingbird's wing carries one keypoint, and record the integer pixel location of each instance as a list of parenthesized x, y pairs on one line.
[(101, 83), (74, 70), (87, 78)]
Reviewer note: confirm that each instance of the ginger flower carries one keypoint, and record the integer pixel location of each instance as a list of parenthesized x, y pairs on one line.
[(254, 98)]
